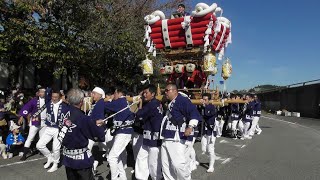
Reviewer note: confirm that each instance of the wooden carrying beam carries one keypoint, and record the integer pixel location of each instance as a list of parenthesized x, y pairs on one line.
[(198, 101)]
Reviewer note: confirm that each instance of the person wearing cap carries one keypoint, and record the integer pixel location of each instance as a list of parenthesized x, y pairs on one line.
[(35, 109), (57, 112), (14, 141), (96, 112), (77, 129)]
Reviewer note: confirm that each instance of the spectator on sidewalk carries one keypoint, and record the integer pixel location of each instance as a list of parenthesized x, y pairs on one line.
[(14, 141)]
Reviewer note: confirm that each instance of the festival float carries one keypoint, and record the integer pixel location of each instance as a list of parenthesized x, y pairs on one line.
[(189, 42)]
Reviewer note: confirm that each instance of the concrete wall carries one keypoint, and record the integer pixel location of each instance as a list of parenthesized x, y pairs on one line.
[(304, 99)]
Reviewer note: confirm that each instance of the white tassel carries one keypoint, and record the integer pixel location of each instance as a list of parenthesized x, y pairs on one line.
[(183, 24), (186, 23), (209, 29), (149, 29), (207, 84), (221, 54), (149, 42), (147, 35), (229, 40), (206, 42), (207, 33), (150, 49), (217, 29), (206, 37), (154, 52)]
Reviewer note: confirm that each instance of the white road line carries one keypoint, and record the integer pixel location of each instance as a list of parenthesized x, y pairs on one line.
[(220, 158), (226, 161), (21, 162), (281, 120), (224, 141), (316, 131), (243, 146)]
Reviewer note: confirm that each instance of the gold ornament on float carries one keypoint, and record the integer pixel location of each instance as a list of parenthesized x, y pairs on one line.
[(226, 69), (147, 68), (209, 62)]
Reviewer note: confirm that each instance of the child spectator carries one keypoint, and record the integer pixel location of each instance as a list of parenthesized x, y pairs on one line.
[(14, 141)]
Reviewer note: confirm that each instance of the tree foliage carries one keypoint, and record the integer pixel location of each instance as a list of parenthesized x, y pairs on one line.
[(102, 39)]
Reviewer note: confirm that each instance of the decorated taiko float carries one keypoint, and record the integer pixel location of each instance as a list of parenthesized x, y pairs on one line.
[(189, 42)]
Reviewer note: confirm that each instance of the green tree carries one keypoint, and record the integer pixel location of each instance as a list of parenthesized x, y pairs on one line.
[(99, 39)]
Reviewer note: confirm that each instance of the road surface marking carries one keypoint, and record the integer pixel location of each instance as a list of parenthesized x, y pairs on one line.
[(316, 131), (226, 161), (280, 120), (21, 162), (223, 141)]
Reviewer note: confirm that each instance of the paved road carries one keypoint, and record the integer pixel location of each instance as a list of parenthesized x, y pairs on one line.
[(288, 148)]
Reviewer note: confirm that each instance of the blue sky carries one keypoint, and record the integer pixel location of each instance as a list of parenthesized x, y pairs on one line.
[(273, 42)]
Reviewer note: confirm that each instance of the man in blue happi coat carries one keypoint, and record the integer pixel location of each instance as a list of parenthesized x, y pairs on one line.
[(122, 123), (209, 139), (177, 132), (57, 112), (256, 116), (77, 129), (151, 114)]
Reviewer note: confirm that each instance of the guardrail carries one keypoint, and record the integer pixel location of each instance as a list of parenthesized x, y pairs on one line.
[(290, 86)]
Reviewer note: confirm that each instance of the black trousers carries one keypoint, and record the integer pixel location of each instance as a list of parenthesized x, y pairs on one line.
[(79, 174), (15, 149)]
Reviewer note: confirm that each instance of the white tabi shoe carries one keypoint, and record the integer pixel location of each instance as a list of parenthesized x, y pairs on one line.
[(259, 132), (210, 170), (49, 162), (53, 168), (193, 167)]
